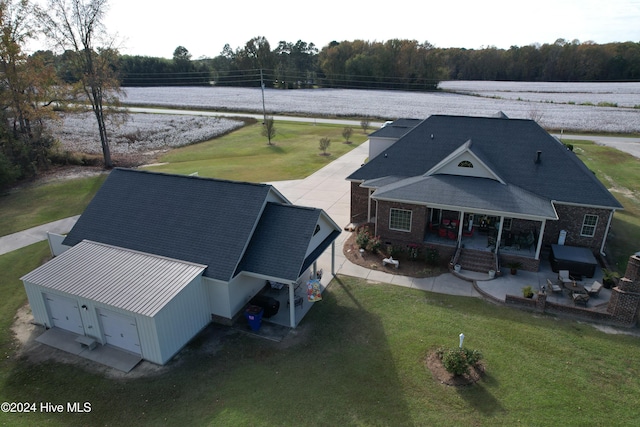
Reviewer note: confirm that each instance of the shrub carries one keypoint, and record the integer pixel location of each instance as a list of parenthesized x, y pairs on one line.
[(414, 250), (431, 255), (374, 244), (362, 238), (458, 360)]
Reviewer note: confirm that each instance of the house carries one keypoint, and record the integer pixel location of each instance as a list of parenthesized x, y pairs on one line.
[(484, 184), (155, 257)]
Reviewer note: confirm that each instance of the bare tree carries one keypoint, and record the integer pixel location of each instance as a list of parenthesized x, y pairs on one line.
[(77, 26), (364, 123), (346, 134), (324, 144), (269, 129)]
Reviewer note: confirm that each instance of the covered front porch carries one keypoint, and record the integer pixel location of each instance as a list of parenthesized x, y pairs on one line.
[(520, 237)]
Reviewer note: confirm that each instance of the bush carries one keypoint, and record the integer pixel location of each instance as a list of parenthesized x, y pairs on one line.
[(458, 360), (431, 255), (362, 239)]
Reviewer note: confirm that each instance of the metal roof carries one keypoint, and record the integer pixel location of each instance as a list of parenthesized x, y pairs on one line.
[(133, 281)]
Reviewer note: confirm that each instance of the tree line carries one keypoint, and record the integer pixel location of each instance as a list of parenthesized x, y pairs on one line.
[(394, 64)]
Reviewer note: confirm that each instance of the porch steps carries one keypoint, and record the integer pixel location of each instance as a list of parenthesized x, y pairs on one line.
[(474, 260)]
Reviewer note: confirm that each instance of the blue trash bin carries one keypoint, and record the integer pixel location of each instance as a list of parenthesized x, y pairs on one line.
[(253, 313)]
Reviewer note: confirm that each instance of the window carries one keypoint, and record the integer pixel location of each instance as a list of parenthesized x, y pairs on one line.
[(317, 230), (465, 164), (506, 224), (400, 219), (589, 225)]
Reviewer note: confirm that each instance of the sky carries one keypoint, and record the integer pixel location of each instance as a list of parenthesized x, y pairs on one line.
[(205, 26)]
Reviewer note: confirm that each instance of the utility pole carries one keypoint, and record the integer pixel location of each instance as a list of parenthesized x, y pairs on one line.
[(264, 111)]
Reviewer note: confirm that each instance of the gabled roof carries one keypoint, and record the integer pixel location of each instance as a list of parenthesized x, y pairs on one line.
[(508, 146), (396, 129), (200, 220), (129, 280), (281, 241)]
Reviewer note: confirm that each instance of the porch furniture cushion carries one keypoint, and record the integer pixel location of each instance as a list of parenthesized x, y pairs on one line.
[(594, 289), (580, 298), (554, 286), (442, 232), (563, 276), (468, 233), (451, 235)]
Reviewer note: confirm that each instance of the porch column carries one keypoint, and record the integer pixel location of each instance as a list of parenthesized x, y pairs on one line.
[(539, 246), (292, 305), (460, 226), (499, 232), (333, 258), (315, 266)]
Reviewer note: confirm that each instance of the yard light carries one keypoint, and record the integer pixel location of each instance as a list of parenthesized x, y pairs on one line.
[(461, 339)]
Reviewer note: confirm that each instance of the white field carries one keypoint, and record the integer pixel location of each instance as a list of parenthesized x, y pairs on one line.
[(554, 105), (150, 132)]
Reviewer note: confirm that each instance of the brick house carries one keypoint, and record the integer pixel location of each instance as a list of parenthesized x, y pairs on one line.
[(486, 184)]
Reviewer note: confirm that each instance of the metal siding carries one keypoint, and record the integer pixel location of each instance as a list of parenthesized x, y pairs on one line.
[(133, 281), (180, 320), (35, 294)]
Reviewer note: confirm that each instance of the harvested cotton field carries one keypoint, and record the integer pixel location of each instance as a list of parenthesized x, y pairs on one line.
[(590, 107), (140, 132)]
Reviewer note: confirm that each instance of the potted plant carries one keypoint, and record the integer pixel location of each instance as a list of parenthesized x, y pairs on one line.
[(527, 292), (514, 266), (609, 278)]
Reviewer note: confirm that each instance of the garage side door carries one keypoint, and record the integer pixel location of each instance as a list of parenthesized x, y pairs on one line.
[(120, 331), (64, 313)]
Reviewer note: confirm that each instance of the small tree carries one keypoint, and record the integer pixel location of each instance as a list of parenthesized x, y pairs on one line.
[(269, 129), (346, 134), (324, 144), (364, 123)]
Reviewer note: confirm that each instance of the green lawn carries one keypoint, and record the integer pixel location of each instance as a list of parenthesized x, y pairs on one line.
[(244, 154), (356, 359)]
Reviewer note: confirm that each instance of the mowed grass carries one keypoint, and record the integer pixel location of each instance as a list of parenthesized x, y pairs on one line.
[(620, 173), (356, 359), (40, 204), (245, 155)]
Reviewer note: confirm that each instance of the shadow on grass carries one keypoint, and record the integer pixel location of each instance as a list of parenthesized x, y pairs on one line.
[(479, 396), (336, 368)]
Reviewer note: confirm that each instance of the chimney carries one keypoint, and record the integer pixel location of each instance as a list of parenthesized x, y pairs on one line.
[(538, 155)]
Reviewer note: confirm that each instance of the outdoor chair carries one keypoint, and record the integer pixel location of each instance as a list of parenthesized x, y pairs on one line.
[(594, 289), (580, 298), (564, 277), (555, 287)]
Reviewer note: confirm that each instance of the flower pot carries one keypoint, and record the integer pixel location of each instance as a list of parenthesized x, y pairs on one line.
[(457, 268), (492, 274)]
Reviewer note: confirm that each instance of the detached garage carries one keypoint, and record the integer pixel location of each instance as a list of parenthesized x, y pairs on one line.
[(144, 304)]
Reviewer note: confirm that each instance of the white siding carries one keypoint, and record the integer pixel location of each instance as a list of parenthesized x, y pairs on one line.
[(478, 169), (218, 297), (241, 289), (326, 228), (378, 145)]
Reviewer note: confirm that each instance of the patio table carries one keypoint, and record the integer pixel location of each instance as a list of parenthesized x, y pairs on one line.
[(574, 287)]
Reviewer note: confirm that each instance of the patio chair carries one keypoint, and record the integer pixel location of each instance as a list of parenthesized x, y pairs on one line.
[(580, 298), (564, 277), (554, 286), (594, 289)]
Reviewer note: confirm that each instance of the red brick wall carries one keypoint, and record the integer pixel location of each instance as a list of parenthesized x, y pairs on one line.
[(359, 203), (418, 223), (571, 218)]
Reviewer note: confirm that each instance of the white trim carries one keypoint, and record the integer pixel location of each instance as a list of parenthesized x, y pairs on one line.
[(595, 226), (410, 219)]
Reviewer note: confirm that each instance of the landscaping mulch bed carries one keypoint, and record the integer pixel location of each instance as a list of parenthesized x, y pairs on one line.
[(440, 374), (373, 261)]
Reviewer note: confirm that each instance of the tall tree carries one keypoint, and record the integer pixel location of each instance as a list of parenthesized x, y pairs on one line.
[(77, 25), (27, 90)]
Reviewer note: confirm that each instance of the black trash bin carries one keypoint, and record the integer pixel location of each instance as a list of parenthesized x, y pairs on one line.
[(253, 314), (269, 305)]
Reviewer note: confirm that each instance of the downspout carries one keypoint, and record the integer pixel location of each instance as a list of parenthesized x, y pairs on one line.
[(606, 234), (539, 246), (333, 258), (375, 225), (292, 306), (370, 192)]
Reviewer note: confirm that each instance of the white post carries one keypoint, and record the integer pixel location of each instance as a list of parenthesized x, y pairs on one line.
[(333, 258), (539, 245), (461, 339), (292, 305)]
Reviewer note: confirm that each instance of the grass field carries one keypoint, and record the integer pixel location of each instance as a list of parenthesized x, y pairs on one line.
[(244, 155), (356, 359)]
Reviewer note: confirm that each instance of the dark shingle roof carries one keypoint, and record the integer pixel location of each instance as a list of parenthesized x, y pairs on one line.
[(206, 221), (280, 242), (509, 146)]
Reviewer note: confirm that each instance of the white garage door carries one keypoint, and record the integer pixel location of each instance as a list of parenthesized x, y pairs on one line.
[(64, 313), (120, 330)]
